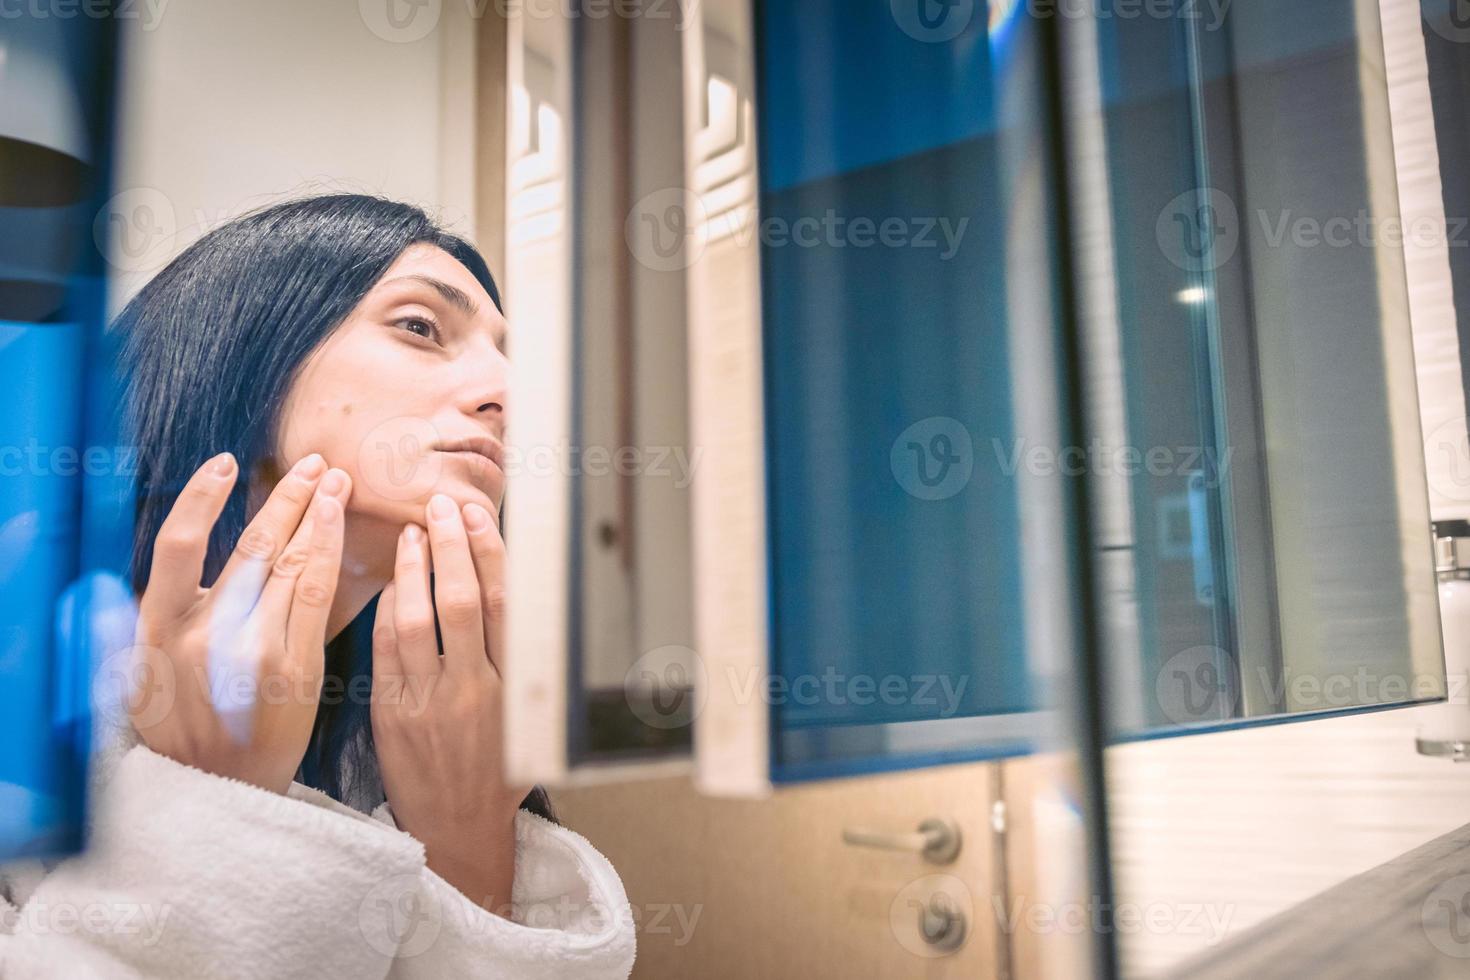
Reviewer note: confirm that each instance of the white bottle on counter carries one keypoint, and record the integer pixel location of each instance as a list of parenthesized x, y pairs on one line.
[(1445, 729)]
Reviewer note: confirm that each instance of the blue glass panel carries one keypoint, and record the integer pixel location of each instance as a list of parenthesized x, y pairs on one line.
[(890, 204), (1266, 558)]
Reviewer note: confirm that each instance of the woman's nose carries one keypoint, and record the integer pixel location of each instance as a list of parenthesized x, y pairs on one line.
[(485, 389)]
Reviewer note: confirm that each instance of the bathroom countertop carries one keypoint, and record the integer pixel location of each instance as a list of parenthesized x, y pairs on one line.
[(1408, 918)]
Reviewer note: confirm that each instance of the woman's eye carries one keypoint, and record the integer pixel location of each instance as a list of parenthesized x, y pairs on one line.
[(416, 324)]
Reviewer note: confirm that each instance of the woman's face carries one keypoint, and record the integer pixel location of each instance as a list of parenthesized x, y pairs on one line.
[(408, 394)]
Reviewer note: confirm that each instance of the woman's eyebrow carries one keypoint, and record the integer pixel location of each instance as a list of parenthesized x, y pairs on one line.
[(452, 294)]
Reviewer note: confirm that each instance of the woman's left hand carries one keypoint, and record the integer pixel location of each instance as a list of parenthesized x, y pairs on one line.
[(438, 721)]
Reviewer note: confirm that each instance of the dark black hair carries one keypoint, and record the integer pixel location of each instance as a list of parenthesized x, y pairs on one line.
[(209, 350)]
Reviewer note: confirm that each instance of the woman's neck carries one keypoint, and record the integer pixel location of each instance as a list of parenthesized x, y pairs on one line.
[(369, 549)]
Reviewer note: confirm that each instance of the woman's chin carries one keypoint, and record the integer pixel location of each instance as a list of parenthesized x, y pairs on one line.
[(404, 508), (488, 493)]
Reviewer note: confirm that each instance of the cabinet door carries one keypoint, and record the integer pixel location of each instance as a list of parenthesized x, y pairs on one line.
[(883, 531), (860, 248), (1262, 535), (600, 604)]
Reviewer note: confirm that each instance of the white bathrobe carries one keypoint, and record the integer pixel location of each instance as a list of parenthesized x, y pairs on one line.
[(193, 875)]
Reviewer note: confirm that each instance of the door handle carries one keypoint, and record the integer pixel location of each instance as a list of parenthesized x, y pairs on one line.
[(937, 840)]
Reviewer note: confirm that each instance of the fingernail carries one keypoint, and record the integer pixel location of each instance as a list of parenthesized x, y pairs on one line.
[(335, 483), (222, 465), (476, 518), (326, 511), (441, 508), (311, 467), (412, 533)]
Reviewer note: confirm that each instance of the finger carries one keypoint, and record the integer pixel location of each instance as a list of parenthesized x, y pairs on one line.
[(413, 610), (387, 667), (238, 588), (456, 589), (180, 548), (487, 548), (311, 602), (392, 686), (274, 607)]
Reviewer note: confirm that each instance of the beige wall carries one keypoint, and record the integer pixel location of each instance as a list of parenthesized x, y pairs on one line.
[(226, 106)]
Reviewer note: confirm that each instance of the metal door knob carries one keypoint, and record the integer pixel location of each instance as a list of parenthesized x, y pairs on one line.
[(942, 923)]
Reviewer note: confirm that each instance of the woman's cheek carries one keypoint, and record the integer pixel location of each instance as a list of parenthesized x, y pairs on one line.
[(396, 462)]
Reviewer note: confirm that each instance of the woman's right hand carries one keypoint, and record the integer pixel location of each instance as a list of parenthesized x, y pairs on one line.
[(243, 658)]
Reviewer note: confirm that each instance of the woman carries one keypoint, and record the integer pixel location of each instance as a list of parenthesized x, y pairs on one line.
[(347, 357)]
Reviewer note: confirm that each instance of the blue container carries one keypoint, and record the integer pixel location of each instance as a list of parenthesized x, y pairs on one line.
[(65, 485), (65, 527), (40, 431)]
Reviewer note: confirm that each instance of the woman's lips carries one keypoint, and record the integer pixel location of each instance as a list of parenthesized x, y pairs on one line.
[(477, 460), (485, 446)]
